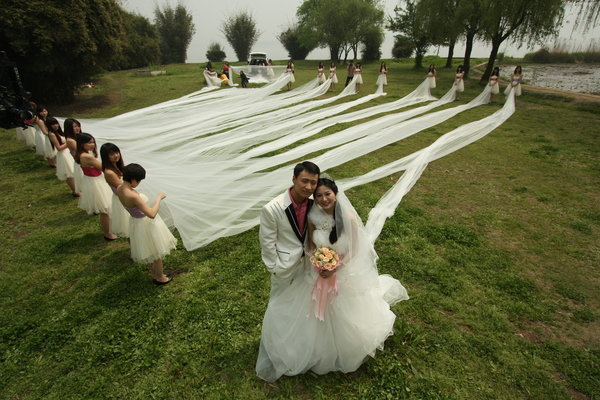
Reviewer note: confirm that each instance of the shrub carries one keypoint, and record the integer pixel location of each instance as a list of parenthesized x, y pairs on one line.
[(403, 47), (215, 53)]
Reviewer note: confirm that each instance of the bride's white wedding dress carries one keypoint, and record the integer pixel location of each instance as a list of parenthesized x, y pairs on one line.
[(356, 322)]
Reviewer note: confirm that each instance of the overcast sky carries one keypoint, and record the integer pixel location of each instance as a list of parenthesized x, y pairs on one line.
[(273, 16)]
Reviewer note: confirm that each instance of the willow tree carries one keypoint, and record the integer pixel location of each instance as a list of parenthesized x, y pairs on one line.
[(521, 21)]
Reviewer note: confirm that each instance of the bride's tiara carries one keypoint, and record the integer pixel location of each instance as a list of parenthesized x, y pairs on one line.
[(326, 176)]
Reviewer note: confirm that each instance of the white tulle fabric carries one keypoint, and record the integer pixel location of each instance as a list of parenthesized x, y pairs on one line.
[(64, 165), (150, 238), (77, 176), (96, 196), (40, 144), (259, 73), (356, 322), (229, 142), (120, 219), (381, 79)]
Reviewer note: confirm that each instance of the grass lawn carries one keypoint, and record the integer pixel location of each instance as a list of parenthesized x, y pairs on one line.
[(497, 245)]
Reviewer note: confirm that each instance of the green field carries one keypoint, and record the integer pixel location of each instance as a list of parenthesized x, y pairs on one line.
[(498, 246)]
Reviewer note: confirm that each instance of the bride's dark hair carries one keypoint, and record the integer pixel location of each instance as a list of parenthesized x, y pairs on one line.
[(339, 226)]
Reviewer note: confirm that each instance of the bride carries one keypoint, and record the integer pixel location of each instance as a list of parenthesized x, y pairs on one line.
[(308, 329)]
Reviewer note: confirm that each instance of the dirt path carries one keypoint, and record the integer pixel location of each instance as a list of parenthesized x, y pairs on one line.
[(577, 97)]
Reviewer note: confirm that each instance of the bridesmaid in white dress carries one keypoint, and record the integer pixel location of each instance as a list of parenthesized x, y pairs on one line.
[(493, 82), (150, 238), (356, 316), (112, 167), (358, 75), (382, 78), (333, 75), (431, 74), (95, 193), (515, 82), (42, 142), (290, 71), (64, 159), (320, 73), (458, 81), (72, 128)]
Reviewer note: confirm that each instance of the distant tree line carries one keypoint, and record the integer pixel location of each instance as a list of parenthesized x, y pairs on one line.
[(425, 23), (59, 44)]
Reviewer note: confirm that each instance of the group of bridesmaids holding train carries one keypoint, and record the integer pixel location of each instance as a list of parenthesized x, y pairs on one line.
[(104, 187), (355, 69)]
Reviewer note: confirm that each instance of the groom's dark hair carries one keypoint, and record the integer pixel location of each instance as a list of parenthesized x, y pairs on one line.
[(307, 166)]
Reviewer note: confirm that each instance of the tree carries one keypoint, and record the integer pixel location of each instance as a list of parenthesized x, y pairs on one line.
[(290, 39), (58, 44), (340, 25), (445, 26), (175, 28), (141, 45), (403, 47), (372, 39), (522, 20), (470, 14), (241, 33), (215, 53), (413, 21), (588, 14)]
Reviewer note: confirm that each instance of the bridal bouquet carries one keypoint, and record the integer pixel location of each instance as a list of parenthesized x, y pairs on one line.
[(324, 259)]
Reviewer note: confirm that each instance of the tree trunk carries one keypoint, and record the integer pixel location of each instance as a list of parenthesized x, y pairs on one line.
[(333, 52), (450, 54), (419, 53), (468, 49), (496, 42)]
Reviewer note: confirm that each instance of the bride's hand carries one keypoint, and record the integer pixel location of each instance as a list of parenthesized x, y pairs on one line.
[(326, 274)]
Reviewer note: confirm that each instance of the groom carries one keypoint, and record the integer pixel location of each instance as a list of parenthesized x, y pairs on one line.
[(283, 227)]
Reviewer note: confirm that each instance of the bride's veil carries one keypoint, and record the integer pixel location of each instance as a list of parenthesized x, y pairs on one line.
[(362, 252)]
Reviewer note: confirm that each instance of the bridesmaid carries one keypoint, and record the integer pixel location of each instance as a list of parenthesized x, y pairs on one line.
[(150, 238), (358, 74), (64, 159), (72, 129), (458, 81), (95, 197), (382, 78), (42, 142), (320, 73), (515, 81), (290, 70), (493, 83), (431, 74), (112, 166), (333, 75)]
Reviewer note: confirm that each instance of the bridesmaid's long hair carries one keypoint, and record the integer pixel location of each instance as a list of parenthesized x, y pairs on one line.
[(337, 229), (431, 68), (50, 122), (82, 139), (69, 132), (105, 151)]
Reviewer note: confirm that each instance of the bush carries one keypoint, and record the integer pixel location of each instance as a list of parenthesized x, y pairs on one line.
[(215, 53), (541, 56), (403, 47)]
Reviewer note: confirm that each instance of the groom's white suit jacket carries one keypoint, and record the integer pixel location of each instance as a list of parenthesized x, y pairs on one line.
[(281, 240)]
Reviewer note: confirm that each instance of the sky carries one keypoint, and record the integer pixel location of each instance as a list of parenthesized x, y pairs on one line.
[(273, 16)]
